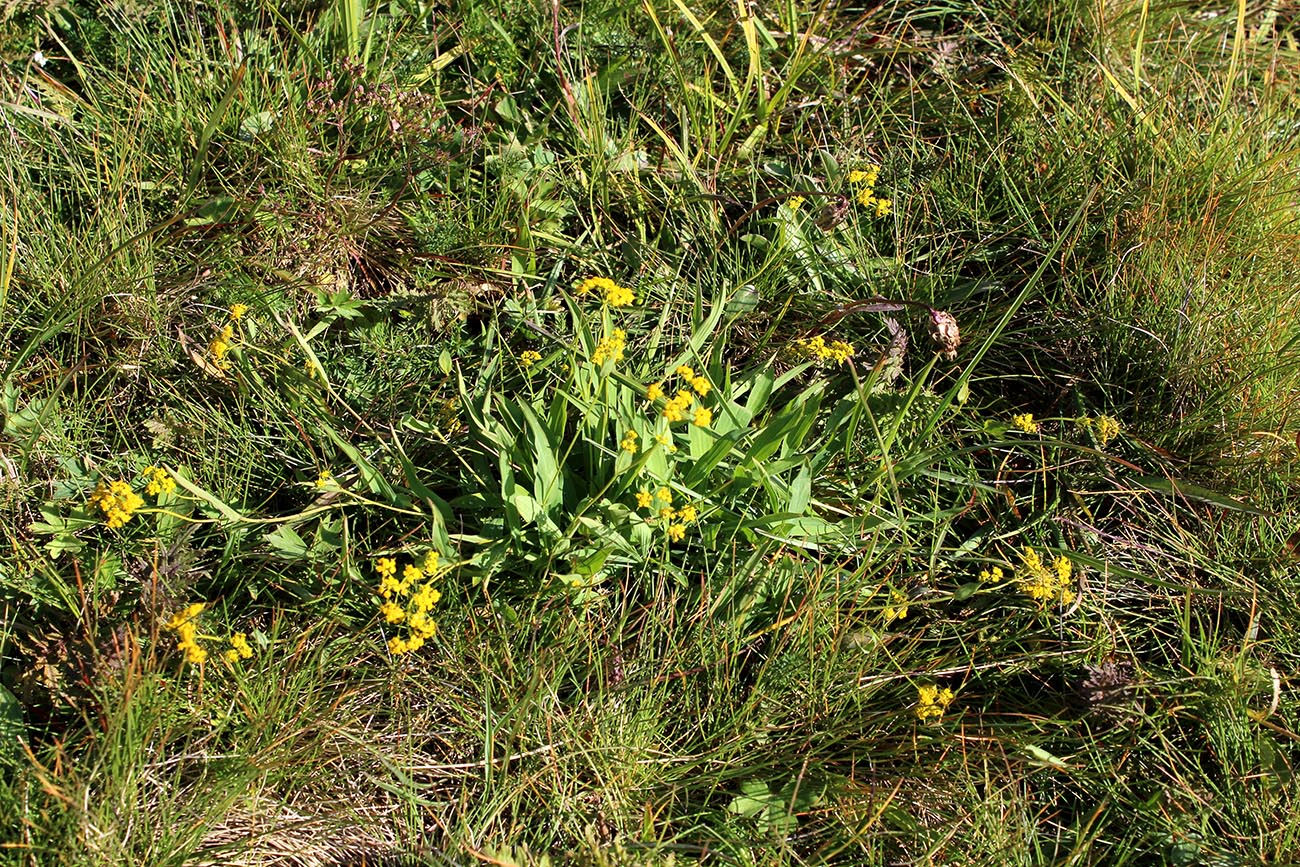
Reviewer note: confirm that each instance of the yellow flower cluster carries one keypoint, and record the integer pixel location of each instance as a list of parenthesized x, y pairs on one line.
[(225, 338), (117, 501), (614, 294), (324, 479), (678, 406), (864, 182), (528, 358), (1024, 421), (675, 520), (1045, 584), (238, 649), (992, 576), (794, 203), (409, 601), (221, 344), (160, 481), (816, 348), (675, 409), (897, 608), (610, 348), (628, 443), (931, 702), (186, 629), (1106, 427)]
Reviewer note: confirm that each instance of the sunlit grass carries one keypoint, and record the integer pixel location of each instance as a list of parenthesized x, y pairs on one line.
[(657, 434)]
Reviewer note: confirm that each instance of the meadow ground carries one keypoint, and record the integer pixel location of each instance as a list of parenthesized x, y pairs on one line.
[(647, 433)]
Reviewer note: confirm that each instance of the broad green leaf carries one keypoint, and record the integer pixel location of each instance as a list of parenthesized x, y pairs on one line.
[(256, 124), (801, 491), (525, 506), (548, 487), (286, 543), (211, 499)]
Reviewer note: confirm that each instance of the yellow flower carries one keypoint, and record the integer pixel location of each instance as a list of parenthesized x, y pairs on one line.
[(675, 409), (931, 702), (701, 386), (410, 574), (991, 576), (386, 567), (117, 501), (324, 478), (422, 627), (883, 207), (865, 197), (194, 654), (619, 296), (629, 442), (897, 608), (397, 645), (610, 348), (595, 284), (614, 294), (1024, 421), (665, 439), (654, 391), (218, 348), (794, 203), (703, 417), (426, 598), (868, 176), (839, 352), (687, 373), (431, 561), (667, 513), (687, 514), (181, 618), (811, 347), (185, 633), (1046, 584), (160, 482), (239, 642), (529, 357), (665, 495), (1107, 428), (644, 499), (392, 612), (676, 532), (816, 348), (238, 649), (237, 311)]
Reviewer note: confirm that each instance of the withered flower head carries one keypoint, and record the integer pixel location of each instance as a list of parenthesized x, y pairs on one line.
[(944, 333), (1105, 684)]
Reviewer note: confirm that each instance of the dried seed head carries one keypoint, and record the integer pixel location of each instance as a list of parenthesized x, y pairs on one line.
[(944, 333), (1106, 683)]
